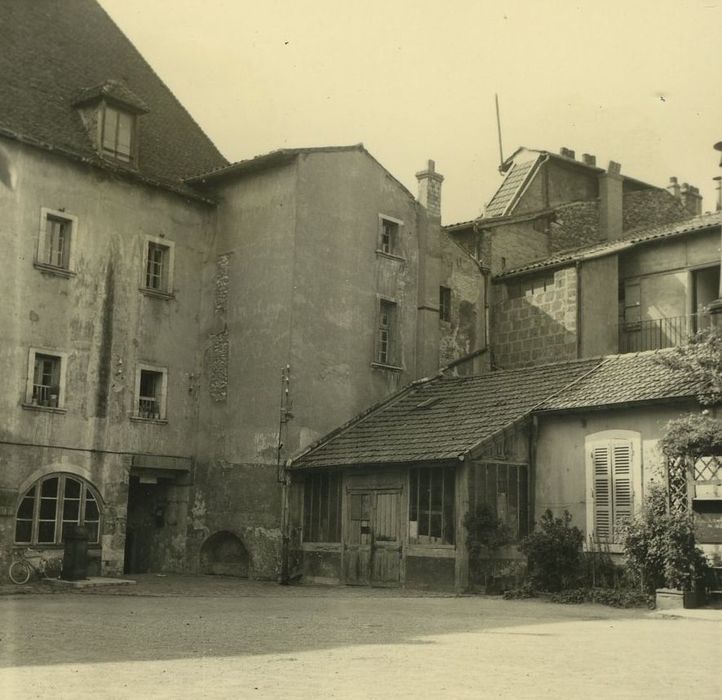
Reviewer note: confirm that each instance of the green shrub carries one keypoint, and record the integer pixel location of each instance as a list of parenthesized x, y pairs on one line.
[(525, 591), (660, 546), (692, 436), (554, 553), (485, 534), (614, 597)]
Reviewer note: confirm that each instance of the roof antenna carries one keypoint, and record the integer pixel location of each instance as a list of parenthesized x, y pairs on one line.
[(498, 128)]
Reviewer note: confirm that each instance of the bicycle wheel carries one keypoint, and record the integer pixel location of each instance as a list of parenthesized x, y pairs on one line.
[(19, 572)]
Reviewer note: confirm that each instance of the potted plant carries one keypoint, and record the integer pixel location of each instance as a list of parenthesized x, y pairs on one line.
[(662, 553)]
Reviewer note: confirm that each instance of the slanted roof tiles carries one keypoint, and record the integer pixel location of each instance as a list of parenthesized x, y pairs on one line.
[(625, 379), (443, 418), (632, 238), (510, 189), (54, 51)]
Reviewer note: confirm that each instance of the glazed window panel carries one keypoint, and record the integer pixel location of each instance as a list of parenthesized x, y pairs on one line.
[(502, 487), (386, 333), (56, 248), (322, 508), (46, 380), (51, 505), (432, 505)]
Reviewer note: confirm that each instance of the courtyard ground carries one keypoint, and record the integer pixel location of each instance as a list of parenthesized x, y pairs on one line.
[(207, 637)]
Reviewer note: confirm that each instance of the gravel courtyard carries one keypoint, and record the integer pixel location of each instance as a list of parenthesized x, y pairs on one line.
[(180, 637)]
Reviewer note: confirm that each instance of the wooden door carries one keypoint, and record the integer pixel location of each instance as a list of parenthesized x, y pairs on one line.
[(372, 542)]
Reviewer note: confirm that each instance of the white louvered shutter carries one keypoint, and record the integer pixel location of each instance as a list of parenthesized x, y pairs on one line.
[(623, 502), (602, 474)]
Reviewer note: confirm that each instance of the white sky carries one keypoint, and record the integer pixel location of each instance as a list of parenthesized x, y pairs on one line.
[(636, 81)]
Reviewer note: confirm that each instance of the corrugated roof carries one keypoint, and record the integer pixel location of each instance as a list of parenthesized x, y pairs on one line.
[(54, 51), (624, 379), (632, 238), (442, 418), (509, 190)]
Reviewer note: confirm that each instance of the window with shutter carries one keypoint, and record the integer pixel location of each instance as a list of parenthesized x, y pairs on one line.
[(611, 477)]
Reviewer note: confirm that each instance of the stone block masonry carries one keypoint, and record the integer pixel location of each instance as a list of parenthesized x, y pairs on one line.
[(538, 326)]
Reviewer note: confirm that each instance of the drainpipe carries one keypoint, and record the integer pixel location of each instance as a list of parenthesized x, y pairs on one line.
[(532, 470), (285, 526), (578, 267)]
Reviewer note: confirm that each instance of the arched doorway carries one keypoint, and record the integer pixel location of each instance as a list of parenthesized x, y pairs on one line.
[(224, 554)]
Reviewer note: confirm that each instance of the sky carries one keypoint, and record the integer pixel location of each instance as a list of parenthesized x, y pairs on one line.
[(635, 81)]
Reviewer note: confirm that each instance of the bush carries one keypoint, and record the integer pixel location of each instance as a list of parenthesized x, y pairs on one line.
[(525, 591), (614, 597), (554, 553), (660, 547), (485, 534), (692, 436)]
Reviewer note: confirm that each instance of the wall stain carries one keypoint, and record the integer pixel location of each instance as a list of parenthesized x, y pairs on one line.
[(105, 354)]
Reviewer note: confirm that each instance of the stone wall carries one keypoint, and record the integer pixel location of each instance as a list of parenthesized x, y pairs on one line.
[(538, 327), (576, 224), (651, 207)]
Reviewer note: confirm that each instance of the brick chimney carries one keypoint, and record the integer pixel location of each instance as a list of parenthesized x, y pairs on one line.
[(610, 201), (589, 159), (566, 152), (430, 189), (673, 187), (691, 199)]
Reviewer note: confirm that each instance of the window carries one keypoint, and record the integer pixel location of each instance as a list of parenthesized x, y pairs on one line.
[(431, 505), (150, 393), (504, 488), (322, 508), (46, 379), (389, 235), (444, 303), (51, 505), (117, 134), (55, 238), (158, 266), (631, 305), (386, 333), (613, 477)]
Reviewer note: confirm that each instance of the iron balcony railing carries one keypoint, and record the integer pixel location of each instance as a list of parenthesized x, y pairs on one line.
[(659, 333), (148, 407)]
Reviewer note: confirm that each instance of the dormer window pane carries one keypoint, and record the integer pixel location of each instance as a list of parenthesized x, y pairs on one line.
[(117, 134)]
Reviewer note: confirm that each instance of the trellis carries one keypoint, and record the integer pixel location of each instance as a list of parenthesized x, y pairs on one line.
[(682, 475)]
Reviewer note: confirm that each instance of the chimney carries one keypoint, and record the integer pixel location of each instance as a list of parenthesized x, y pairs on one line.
[(610, 201), (673, 187), (718, 180), (589, 159), (430, 189), (566, 152), (691, 199)]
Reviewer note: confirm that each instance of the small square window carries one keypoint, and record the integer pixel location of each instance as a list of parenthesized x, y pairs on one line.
[(46, 379), (445, 303), (150, 395), (158, 266), (389, 235), (55, 239)]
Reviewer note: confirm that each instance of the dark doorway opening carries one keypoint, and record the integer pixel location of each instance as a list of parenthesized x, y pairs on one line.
[(147, 504)]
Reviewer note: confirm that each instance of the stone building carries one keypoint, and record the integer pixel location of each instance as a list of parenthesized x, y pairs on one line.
[(179, 325)]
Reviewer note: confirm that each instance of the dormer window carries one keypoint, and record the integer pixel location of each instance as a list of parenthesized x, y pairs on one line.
[(117, 129), (111, 113)]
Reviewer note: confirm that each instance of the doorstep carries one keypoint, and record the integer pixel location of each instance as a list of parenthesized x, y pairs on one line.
[(92, 582)]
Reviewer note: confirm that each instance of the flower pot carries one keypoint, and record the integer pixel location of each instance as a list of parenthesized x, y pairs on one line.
[(671, 598)]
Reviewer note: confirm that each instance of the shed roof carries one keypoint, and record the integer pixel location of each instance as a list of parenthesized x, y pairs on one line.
[(632, 238), (625, 379), (441, 418), (54, 53), (445, 418)]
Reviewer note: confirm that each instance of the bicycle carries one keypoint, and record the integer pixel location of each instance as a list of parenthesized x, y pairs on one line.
[(28, 563)]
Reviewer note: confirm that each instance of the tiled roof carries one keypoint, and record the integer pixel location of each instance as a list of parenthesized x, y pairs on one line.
[(53, 51), (442, 418), (632, 238), (509, 189), (624, 379)]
